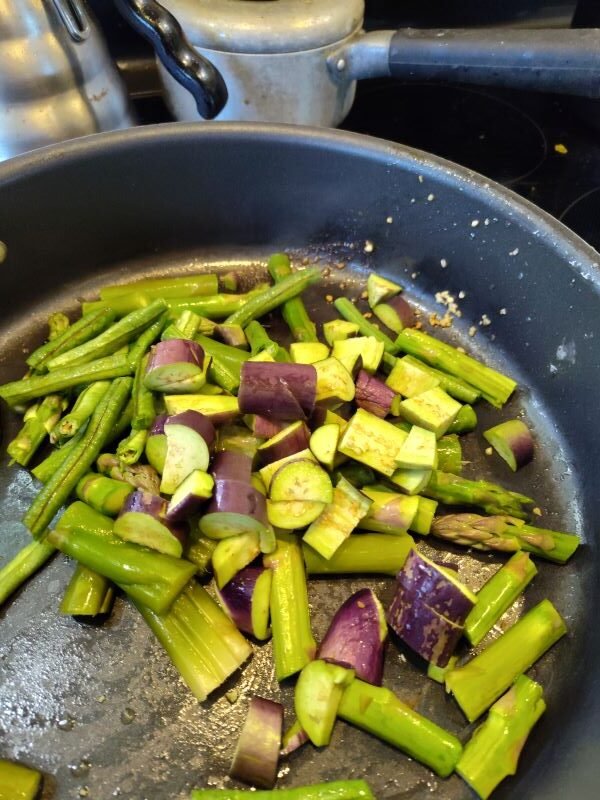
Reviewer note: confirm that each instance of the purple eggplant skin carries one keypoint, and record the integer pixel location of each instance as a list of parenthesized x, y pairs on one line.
[(238, 498), (356, 637), (175, 351), (142, 502), (197, 422), (278, 391), (265, 428), (403, 309), (422, 580), (373, 395), (294, 742), (293, 442), (230, 465), (158, 426), (428, 633), (237, 597), (257, 753)]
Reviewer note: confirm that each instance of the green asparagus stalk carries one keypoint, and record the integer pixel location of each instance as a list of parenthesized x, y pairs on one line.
[(57, 325), (18, 782), (334, 790), (186, 326), (260, 341), (199, 551), (199, 638), (87, 595), (481, 681), (493, 751), (38, 421), (351, 313), (131, 449), (84, 407), (449, 454), (18, 392), (143, 400), (76, 334), (181, 286), (228, 281), (226, 364), (79, 516), (452, 490), (79, 459), (147, 576), (507, 534), (141, 476), (103, 494), (27, 561), (498, 594), (365, 553), (106, 343), (293, 643), (495, 387), (377, 710), (466, 420), (274, 296), (294, 311), (139, 348)]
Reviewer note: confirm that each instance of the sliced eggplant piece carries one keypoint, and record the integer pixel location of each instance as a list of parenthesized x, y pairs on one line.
[(197, 422), (142, 520), (189, 495), (419, 450), (279, 391), (411, 481), (380, 289), (237, 439), (263, 427), (232, 466), (373, 395), (233, 554), (267, 472), (324, 443), (434, 410), (338, 329), (317, 697), (308, 352), (187, 451), (325, 416), (356, 637), (389, 512), (361, 351), (301, 480), (246, 600), (338, 520), (233, 335), (334, 384), (513, 442), (235, 508), (396, 314), (292, 439), (219, 408), (293, 739), (293, 515), (177, 366), (257, 752), (372, 441)]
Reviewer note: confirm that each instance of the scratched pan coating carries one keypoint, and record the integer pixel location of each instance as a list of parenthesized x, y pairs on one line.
[(99, 708)]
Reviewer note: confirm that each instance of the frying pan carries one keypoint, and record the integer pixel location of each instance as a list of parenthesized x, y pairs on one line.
[(99, 708)]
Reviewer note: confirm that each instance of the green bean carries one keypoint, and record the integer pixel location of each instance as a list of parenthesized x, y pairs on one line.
[(119, 334), (260, 341), (83, 409), (76, 334), (273, 296), (19, 392), (184, 285), (131, 449), (351, 313), (139, 348), (79, 460), (46, 468), (38, 422), (293, 311)]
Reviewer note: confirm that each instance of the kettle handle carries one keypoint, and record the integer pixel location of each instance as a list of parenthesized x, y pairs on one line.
[(179, 58)]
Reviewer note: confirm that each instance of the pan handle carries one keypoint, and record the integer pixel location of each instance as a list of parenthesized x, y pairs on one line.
[(563, 61), (185, 64)]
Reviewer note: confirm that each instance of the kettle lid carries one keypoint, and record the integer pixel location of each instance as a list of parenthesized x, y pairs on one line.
[(266, 26)]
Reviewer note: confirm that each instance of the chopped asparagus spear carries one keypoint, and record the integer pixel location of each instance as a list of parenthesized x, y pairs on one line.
[(293, 311), (367, 553), (452, 490), (18, 782), (449, 454), (493, 751), (88, 594), (351, 313), (479, 682), (180, 286), (335, 790), (26, 562), (38, 421)]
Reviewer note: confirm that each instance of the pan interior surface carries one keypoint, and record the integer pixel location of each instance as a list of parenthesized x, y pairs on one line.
[(100, 708)]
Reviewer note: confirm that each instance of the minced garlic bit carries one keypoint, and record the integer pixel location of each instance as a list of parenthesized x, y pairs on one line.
[(474, 223), (340, 265), (389, 220), (514, 252), (560, 148), (369, 246), (461, 349), (440, 322), (364, 295), (367, 314), (502, 312), (443, 263), (537, 511), (488, 451), (430, 197), (329, 298), (485, 320), (421, 179), (447, 299), (414, 275), (461, 295), (472, 330)]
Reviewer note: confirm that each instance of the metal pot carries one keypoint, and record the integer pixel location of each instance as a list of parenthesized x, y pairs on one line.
[(298, 60)]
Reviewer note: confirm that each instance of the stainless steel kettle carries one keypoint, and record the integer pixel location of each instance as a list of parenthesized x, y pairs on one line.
[(57, 80)]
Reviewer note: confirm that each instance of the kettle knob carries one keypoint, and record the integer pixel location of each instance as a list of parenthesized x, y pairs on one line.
[(189, 68)]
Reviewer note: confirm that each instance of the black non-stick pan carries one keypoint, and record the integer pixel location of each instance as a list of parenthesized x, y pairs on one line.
[(99, 708)]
